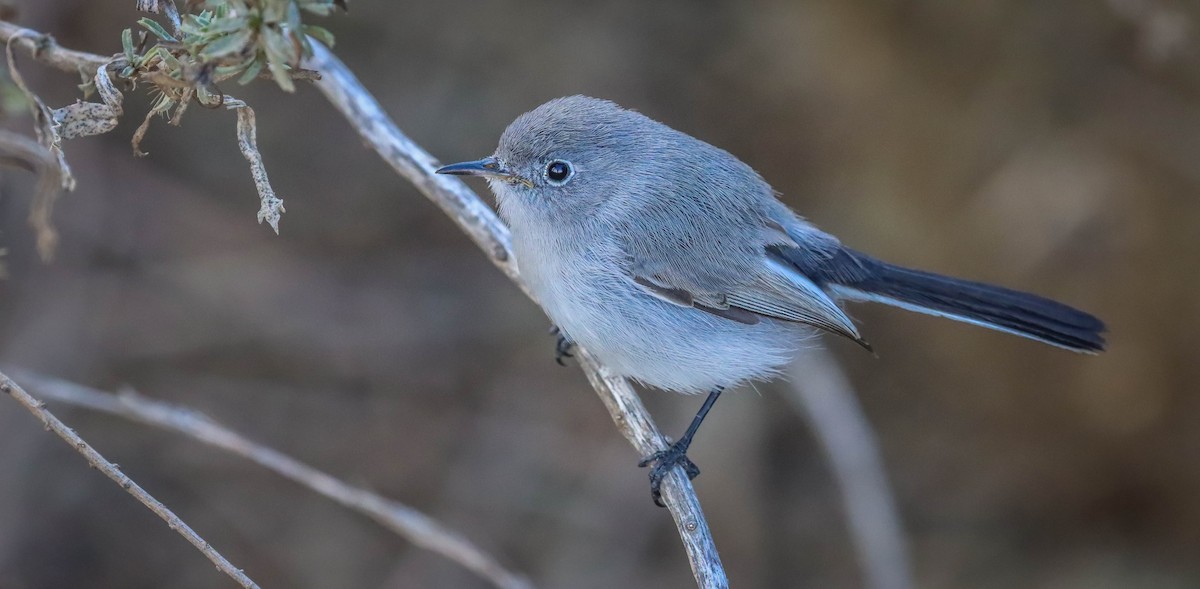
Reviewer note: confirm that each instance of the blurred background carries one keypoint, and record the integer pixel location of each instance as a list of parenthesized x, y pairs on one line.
[(1047, 146)]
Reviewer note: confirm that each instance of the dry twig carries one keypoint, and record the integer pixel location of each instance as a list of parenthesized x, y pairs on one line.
[(413, 525), (46, 50), (111, 470), (20, 151)]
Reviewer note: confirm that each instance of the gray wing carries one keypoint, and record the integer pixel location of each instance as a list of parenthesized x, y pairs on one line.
[(696, 228), (742, 279), (774, 294)]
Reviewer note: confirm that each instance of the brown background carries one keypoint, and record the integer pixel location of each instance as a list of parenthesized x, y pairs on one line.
[(1047, 146)]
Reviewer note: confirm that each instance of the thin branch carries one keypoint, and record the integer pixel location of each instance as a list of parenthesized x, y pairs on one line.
[(46, 50), (271, 206), (825, 396), (21, 151), (111, 470), (634, 422), (479, 221), (413, 525)]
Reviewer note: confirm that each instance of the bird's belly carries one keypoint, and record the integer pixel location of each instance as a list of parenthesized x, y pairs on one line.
[(652, 341)]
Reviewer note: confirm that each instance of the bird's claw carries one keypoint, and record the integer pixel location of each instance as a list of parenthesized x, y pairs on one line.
[(562, 347), (663, 461)]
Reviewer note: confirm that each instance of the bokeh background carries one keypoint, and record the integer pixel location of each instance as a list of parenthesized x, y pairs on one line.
[(1052, 146)]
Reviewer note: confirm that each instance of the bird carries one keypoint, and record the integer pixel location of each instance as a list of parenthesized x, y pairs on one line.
[(676, 265)]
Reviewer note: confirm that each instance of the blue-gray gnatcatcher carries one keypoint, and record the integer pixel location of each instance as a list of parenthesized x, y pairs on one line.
[(674, 264)]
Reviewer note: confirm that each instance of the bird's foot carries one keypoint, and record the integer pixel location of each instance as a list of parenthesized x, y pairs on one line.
[(562, 346), (663, 461)]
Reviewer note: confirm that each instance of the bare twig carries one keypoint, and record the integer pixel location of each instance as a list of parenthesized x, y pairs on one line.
[(22, 151), (823, 393), (271, 206), (110, 470), (413, 525), (479, 222), (49, 139), (634, 422), (46, 50)]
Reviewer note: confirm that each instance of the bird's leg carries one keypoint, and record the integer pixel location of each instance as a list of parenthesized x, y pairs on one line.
[(676, 454), (562, 346)]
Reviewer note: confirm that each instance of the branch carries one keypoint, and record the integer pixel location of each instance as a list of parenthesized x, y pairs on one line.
[(413, 525), (824, 395), (22, 152), (635, 423), (111, 471), (480, 223), (46, 50)]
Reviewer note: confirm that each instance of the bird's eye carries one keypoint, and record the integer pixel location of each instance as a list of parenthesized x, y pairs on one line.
[(559, 172)]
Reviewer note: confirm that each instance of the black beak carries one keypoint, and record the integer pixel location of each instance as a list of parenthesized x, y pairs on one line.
[(488, 166)]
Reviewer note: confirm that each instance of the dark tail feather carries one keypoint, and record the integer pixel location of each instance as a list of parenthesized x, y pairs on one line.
[(856, 276)]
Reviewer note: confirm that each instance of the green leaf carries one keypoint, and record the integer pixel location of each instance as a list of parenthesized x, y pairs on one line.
[(273, 12), (227, 25), (224, 72), (251, 72), (318, 7), (278, 47), (190, 26), (280, 73), (229, 44), (277, 50), (319, 10), (173, 64), (157, 29), (127, 44), (320, 33)]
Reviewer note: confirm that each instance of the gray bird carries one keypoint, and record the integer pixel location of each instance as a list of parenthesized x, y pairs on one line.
[(675, 265)]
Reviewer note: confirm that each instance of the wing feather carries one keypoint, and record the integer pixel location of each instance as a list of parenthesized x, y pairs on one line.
[(774, 290)]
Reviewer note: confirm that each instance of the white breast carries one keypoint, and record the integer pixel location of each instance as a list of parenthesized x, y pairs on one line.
[(582, 287), (642, 337)]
